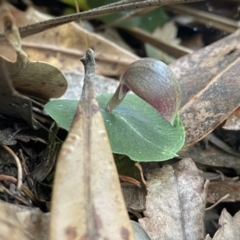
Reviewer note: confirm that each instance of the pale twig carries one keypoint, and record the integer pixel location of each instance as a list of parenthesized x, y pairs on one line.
[(141, 173), (19, 167), (8, 178), (23, 201), (216, 203), (129, 180), (25, 168)]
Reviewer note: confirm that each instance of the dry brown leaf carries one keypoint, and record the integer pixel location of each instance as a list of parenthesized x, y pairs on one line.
[(64, 46), (168, 33), (209, 81), (194, 42), (217, 190), (211, 106), (175, 202), (233, 121), (211, 157), (75, 84), (12, 103), (22, 223), (92, 14), (8, 222), (113, 35), (171, 49), (229, 227), (134, 196), (36, 79), (87, 201)]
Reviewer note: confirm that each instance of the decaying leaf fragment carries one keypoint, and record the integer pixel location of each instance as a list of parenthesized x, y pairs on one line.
[(36, 79), (219, 189), (134, 196), (229, 227), (209, 79), (233, 121), (92, 14), (212, 157), (22, 223), (13, 103), (63, 46), (87, 202), (175, 203), (211, 106), (9, 218)]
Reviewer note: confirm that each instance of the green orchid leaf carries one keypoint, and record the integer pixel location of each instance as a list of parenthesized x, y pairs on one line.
[(137, 130), (62, 111), (134, 128)]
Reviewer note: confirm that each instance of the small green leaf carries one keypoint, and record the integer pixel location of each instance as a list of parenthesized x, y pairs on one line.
[(134, 128), (137, 130), (62, 111)]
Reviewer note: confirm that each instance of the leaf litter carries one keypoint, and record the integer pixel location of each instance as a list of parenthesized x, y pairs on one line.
[(61, 46), (228, 224), (175, 202)]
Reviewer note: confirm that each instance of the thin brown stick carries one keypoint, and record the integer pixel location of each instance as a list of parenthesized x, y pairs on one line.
[(19, 166), (171, 49), (216, 203), (23, 201), (91, 14), (138, 165), (8, 178), (28, 193), (129, 180), (25, 168)]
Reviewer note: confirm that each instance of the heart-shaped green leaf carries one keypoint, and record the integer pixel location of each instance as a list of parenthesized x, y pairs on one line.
[(62, 111), (137, 130), (134, 128)]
